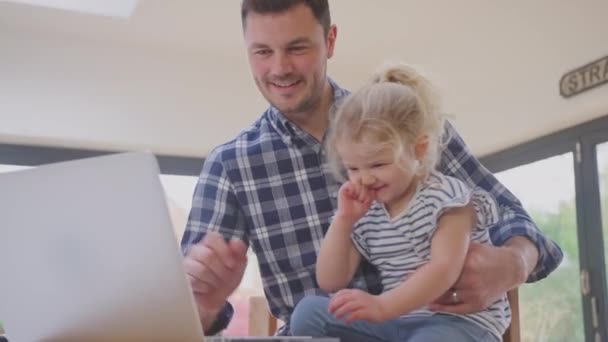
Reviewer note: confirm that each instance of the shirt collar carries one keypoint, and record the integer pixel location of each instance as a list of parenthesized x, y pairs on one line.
[(289, 130)]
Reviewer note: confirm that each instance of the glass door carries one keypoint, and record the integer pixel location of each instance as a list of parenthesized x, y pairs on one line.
[(551, 309), (594, 198), (602, 171)]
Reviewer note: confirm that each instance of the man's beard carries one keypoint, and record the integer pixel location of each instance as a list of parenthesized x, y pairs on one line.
[(304, 105), (310, 102)]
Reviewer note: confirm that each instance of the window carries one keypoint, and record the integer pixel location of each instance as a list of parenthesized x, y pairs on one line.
[(551, 309), (9, 168), (562, 180), (602, 165), (179, 190)]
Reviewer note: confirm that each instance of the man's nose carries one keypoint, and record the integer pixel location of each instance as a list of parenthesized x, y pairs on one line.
[(281, 64)]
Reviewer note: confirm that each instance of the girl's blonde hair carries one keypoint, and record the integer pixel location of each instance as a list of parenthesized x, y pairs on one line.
[(393, 110)]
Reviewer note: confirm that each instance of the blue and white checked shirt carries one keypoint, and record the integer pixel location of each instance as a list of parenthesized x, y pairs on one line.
[(271, 188)]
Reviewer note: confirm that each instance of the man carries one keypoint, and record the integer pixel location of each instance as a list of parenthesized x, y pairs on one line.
[(269, 188)]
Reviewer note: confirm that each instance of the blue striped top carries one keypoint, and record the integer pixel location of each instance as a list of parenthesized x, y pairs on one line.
[(398, 246)]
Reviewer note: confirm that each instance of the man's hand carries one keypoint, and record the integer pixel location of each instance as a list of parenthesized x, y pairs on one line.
[(488, 273), (215, 269), (354, 305)]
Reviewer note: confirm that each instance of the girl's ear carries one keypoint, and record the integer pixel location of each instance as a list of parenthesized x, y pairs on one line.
[(422, 145)]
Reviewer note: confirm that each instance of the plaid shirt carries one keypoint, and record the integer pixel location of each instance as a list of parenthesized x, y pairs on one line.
[(270, 187)]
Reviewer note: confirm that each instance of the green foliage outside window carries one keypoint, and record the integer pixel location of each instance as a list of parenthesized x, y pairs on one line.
[(551, 310)]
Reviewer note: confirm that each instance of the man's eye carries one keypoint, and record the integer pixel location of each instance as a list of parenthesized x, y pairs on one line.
[(262, 52)]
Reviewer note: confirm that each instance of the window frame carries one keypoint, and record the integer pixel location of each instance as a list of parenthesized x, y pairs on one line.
[(581, 141), (34, 155)]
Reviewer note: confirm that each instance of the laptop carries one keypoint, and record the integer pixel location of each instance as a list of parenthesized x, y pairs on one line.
[(88, 253)]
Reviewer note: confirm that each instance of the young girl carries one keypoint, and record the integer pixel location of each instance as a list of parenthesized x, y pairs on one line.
[(411, 222)]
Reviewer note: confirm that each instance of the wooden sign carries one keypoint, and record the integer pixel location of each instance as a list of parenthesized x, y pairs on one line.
[(584, 78)]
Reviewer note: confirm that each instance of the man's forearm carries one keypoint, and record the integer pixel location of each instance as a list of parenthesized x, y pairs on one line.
[(525, 255), (547, 255)]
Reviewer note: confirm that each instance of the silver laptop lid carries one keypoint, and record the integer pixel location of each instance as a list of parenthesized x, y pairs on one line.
[(87, 252)]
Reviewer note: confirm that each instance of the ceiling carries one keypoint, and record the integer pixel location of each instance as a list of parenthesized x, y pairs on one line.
[(497, 64), (115, 8)]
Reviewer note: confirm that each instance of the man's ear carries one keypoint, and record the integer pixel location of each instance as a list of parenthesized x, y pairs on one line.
[(331, 40), (421, 147)]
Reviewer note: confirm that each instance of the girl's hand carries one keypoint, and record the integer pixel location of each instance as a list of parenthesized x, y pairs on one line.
[(354, 305), (354, 201)]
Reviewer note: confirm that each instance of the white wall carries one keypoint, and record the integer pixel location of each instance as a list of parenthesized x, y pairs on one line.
[(82, 94)]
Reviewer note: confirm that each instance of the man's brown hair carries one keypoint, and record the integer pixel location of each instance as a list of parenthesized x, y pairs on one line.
[(319, 8)]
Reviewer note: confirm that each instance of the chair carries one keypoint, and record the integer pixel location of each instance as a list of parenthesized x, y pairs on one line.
[(262, 323), (513, 332)]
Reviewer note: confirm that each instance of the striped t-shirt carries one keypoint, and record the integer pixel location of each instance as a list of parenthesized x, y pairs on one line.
[(398, 246)]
